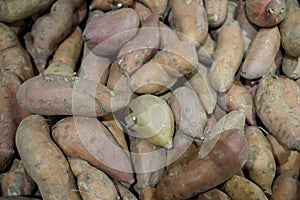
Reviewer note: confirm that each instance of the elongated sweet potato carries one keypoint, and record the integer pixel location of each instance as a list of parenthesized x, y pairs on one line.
[(67, 95), (190, 20), (228, 56), (92, 183), (72, 136), (216, 12), (260, 166), (43, 160), (13, 10), (241, 188), (279, 114), (192, 175), (16, 181), (265, 13), (261, 53)]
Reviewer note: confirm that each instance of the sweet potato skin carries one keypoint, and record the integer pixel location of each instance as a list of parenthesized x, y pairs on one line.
[(216, 12), (43, 160), (192, 175), (215, 194)]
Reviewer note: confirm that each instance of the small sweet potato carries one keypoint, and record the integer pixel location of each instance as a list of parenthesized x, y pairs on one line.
[(267, 13), (88, 139), (228, 56), (192, 174), (16, 181), (261, 53), (241, 188), (8, 38), (260, 166), (214, 194), (190, 20), (43, 159), (92, 183), (216, 12)]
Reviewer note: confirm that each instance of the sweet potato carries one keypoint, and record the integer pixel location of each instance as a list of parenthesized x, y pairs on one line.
[(192, 174), (149, 162), (168, 37), (56, 28), (272, 106), (156, 6), (216, 12), (8, 38), (92, 183), (286, 187), (281, 155), (190, 20), (108, 33), (188, 111), (265, 13), (291, 67), (142, 48), (261, 53), (203, 88), (152, 118), (238, 97), (228, 56), (80, 14), (260, 166), (124, 192), (67, 95), (16, 181), (148, 194), (290, 29), (292, 165), (241, 188), (142, 11), (13, 10), (206, 51), (215, 194), (72, 136), (43, 160)]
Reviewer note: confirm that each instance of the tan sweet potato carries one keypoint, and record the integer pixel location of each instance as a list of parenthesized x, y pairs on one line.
[(190, 20), (43, 160), (241, 188), (107, 34), (192, 174), (142, 11), (67, 95), (8, 38), (260, 166), (261, 53), (216, 12), (292, 165), (265, 13), (14, 10), (290, 29), (286, 187), (156, 6), (238, 97), (279, 114), (16, 181), (281, 155), (92, 183), (215, 194), (188, 111), (142, 48), (72, 136), (228, 56), (291, 67)]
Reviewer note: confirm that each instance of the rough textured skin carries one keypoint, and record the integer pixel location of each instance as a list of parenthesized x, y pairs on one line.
[(266, 13), (13, 10), (188, 111), (190, 20), (260, 166), (261, 53), (44, 161), (88, 139), (92, 183), (214, 194), (228, 56), (290, 29), (192, 175), (281, 116), (238, 97), (241, 188), (107, 34), (286, 187), (216, 12), (16, 181), (67, 95)]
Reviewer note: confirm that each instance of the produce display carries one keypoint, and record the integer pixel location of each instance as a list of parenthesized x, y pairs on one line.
[(150, 100)]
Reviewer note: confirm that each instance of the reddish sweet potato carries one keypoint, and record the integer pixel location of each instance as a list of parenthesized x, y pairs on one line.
[(214, 194), (192, 175), (43, 160)]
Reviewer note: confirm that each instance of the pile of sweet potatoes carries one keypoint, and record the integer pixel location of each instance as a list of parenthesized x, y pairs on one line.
[(150, 100)]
